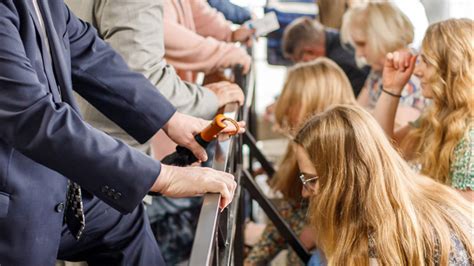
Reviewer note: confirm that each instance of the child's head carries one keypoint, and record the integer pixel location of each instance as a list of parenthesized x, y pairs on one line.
[(375, 29), (310, 88)]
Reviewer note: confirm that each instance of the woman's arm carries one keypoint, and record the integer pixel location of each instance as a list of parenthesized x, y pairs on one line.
[(398, 69), (363, 98)]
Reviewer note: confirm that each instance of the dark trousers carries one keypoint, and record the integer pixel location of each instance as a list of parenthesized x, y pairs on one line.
[(111, 238)]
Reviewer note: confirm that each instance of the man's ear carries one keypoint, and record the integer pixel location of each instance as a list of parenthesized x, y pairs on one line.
[(311, 52), (316, 50)]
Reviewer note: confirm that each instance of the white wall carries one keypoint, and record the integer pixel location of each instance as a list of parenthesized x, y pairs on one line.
[(438, 10)]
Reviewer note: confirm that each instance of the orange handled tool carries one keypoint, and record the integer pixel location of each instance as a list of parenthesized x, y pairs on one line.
[(183, 156)]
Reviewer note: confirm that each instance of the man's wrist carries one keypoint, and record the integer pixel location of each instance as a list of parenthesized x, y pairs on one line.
[(166, 126), (162, 180)]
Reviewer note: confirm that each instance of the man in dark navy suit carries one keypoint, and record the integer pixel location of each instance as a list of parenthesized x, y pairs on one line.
[(47, 151)]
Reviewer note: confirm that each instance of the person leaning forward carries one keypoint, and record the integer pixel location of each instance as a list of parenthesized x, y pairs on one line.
[(46, 147)]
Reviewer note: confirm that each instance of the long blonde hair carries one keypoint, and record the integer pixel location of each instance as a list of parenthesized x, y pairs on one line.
[(366, 188), (310, 87), (386, 28), (448, 48)]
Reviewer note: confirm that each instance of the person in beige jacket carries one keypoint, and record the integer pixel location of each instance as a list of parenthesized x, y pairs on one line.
[(135, 30)]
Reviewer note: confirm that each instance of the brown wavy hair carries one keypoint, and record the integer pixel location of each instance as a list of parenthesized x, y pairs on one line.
[(448, 47), (366, 188)]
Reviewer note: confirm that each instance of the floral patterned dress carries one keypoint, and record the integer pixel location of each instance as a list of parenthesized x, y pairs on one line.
[(462, 167), (461, 171), (271, 242)]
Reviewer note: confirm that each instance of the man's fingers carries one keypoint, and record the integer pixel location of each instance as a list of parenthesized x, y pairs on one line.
[(226, 195), (197, 150), (229, 181)]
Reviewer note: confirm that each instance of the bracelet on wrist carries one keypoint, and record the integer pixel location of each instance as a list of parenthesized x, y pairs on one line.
[(391, 93)]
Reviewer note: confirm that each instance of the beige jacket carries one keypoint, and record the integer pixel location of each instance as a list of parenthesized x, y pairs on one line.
[(134, 28)]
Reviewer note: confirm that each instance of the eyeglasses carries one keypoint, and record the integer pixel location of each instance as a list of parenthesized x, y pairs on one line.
[(309, 181)]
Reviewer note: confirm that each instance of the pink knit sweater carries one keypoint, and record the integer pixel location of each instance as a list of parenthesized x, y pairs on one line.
[(196, 39)]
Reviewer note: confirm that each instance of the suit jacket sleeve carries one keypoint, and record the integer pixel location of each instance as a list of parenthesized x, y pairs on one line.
[(135, 30), (54, 135)]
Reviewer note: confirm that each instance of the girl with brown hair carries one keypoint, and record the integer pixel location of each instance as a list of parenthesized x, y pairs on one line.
[(369, 207)]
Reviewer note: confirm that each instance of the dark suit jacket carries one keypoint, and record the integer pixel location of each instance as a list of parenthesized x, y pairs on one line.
[(43, 139)]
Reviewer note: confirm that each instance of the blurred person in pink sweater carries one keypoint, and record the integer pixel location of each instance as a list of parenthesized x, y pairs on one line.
[(199, 39)]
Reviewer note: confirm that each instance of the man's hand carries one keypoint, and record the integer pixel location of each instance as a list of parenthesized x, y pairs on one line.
[(182, 128), (194, 181), (227, 92), (397, 70)]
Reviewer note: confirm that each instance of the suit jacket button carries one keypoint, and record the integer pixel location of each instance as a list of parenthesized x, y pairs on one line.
[(60, 207), (111, 192), (105, 189), (117, 195)]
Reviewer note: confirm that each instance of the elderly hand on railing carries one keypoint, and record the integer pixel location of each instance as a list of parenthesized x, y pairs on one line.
[(192, 181), (227, 92)]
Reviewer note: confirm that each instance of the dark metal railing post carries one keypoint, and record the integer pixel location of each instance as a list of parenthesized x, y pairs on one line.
[(239, 231), (250, 141)]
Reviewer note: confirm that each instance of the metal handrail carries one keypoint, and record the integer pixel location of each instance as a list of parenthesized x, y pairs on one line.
[(204, 246)]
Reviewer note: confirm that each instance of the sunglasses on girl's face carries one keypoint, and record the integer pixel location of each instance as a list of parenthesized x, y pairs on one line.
[(309, 181)]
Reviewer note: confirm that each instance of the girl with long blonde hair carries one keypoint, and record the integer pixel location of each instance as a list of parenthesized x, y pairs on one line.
[(369, 206), (442, 140), (375, 29), (309, 88)]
